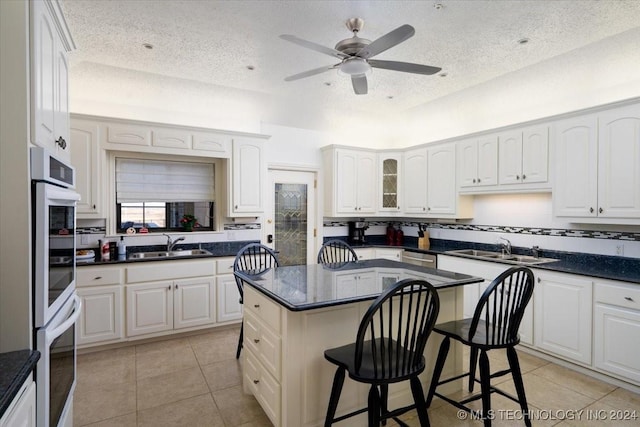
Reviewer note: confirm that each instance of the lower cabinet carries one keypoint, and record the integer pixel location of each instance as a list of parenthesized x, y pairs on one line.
[(22, 411), (228, 297), (563, 306), (162, 306), (616, 323), (101, 318)]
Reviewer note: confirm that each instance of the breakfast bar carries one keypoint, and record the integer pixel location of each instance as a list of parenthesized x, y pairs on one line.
[(293, 313)]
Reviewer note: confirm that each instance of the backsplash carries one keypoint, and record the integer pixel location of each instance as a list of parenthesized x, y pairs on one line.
[(539, 231)]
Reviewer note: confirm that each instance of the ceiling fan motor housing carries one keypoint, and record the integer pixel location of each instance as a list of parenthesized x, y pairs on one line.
[(352, 45)]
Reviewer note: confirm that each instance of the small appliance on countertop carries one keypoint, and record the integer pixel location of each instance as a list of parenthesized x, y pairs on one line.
[(356, 232)]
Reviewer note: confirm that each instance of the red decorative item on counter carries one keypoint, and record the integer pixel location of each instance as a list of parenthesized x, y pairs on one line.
[(399, 237), (391, 235)]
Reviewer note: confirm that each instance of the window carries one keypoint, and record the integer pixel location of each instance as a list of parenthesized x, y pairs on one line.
[(156, 194)]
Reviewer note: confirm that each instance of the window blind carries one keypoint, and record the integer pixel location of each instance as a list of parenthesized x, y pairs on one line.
[(140, 180)]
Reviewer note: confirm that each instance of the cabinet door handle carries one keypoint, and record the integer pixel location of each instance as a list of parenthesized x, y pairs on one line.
[(236, 207), (61, 143), (539, 280), (423, 208), (629, 299), (169, 287), (256, 305), (600, 210), (256, 381), (590, 210), (524, 177), (474, 180), (97, 278), (478, 180), (94, 206), (176, 286), (256, 340), (517, 177)]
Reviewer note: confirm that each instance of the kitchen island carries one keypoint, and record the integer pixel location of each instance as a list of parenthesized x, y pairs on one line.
[(292, 314)]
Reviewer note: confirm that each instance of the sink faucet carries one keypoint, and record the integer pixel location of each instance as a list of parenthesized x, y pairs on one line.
[(172, 243), (506, 247), (535, 251)]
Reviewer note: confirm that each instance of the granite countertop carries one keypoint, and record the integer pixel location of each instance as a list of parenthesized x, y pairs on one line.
[(623, 269), (15, 368), (306, 287)]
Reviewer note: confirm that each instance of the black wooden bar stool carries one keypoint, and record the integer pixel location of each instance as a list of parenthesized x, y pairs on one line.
[(253, 258), (494, 325), (336, 251), (389, 348)]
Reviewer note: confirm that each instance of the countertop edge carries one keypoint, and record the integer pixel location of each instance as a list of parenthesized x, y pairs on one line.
[(19, 377)]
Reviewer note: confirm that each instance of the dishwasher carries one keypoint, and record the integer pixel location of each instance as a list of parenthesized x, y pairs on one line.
[(419, 258)]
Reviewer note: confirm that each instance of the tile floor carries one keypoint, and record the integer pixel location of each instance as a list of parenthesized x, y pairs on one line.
[(196, 381)]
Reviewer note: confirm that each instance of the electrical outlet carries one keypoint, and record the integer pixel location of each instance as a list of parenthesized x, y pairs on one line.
[(620, 249)]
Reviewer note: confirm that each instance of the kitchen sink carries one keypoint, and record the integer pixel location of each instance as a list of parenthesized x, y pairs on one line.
[(172, 254), (499, 256)]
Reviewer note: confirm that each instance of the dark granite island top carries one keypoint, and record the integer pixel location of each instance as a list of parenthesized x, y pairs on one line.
[(15, 368), (306, 287)]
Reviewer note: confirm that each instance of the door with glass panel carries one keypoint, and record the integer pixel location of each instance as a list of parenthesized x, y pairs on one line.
[(290, 225), (390, 165)]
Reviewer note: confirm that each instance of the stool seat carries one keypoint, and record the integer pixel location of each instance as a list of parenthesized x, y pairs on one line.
[(483, 337)]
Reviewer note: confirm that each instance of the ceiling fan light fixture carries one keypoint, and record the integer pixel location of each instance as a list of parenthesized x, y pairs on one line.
[(355, 66)]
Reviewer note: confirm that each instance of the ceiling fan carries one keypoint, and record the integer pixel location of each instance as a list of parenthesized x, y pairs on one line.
[(355, 55)]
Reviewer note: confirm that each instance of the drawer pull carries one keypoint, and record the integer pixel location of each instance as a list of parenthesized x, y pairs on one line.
[(256, 305), (97, 278), (256, 381), (255, 340), (629, 299)]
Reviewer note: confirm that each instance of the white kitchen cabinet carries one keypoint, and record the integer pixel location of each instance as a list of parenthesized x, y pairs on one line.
[(524, 156), (349, 285), (85, 158), (477, 162), (247, 177), (388, 253), (415, 181), (617, 329), (128, 134), (598, 167), (194, 302), (365, 253), (390, 182), (22, 410), (101, 319), (50, 42), (350, 181), (228, 297), (149, 308), (563, 315)]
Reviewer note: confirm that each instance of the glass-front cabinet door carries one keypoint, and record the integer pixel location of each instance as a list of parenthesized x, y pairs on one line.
[(390, 199)]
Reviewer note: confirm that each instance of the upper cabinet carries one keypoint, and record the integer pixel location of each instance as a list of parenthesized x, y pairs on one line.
[(50, 42), (430, 183), (86, 159), (248, 176), (524, 156), (597, 174), (389, 182), (350, 177), (477, 163)]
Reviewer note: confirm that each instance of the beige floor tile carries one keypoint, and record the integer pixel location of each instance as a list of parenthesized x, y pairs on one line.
[(623, 399), (102, 403), (214, 347), (192, 412), (129, 420), (574, 380), (236, 407), (549, 396), (172, 387), (230, 334), (221, 375), (106, 367), (261, 421), (151, 363), (162, 345)]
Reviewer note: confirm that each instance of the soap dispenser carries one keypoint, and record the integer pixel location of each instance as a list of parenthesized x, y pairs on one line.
[(122, 249)]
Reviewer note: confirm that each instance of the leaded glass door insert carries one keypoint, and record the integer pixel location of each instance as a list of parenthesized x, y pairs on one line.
[(389, 191), (291, 223)]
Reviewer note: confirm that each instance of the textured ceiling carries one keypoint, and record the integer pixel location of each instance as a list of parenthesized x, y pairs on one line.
[(213, 42)]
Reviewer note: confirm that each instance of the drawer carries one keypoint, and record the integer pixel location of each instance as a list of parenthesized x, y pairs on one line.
[(170, 270), (263, 343), (224, 265), (264, 387), (618, 294), (261, 307), (87, 276)]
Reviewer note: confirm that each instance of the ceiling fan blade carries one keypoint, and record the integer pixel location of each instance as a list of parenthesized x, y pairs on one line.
[(387, 41), (406, 67), (359, 84), (313, 46), (311, 72)]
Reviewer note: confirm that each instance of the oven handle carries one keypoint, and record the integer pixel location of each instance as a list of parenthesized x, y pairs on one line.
[(55, 333)]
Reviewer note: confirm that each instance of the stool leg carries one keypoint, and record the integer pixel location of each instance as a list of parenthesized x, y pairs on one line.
[(473, 362), (374, 406), (384, 398), (418, 398), (485, 385), (437, 370), (239, 342), (336, 389), (514, 364)]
